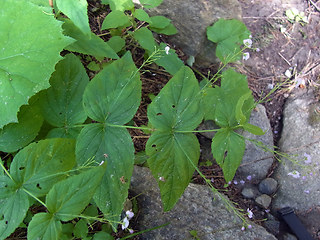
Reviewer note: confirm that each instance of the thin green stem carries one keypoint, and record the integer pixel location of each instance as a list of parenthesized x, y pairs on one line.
[(198, 131), (5, 170), (132, 127), (31, 195)]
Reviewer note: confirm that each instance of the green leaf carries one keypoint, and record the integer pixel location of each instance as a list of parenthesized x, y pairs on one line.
[(228, 149), (120, 5), (64, 133), (93, 66), (240, 117), (44, 226), (220, 103), (80, 229), (67, 231), (17, 135), (253, 129), (170, 62), (145, 38), (150, 3), (102, 236), (141, 15), (173, 155), (91, 45), (14, 204), (177, 106), (159, 22), (69, 197), (170, 162), (26, 61), (77, 12), (115, 19), (113, 145), (168, 30), (116, 43), (40, 165), (113, 95), (61, 103), (229, 36)]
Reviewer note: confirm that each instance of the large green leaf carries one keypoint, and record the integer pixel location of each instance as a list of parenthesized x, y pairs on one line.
[(151, 3), (26, 61), (220, 103), (14, 204), (177, 106), (17, 135), (229, 36), (113, 96), (171, 158), (91, 45), (68, 198), (36, 168), (120, 5), (61, 104), (170, 62), (142, 15), (113, 145), (145, 38), (64, 133), (115, 19), (44, 226), (173, 154), (77, 12), (228, 149)]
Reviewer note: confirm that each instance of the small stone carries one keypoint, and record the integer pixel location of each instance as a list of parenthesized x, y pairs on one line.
[(263, 201), (248, 192), (268, 186), (272, 226), (288, 236)]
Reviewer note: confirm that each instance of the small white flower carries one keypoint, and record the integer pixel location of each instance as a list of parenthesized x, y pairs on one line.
[(300, 82), (270, 86), (166, 49), (129, 214), (161, 179), (242, 229), (249, 177), (125, 223), (249, 226), (250, 36), (288, 73), (242, 181), (306, 191), (308, 158), (212, 180), (136, 1), (235, 182), (246, 56), (131, 231), (257, 49), (102, 162), (250, 213), (294, 174), (247, 42)]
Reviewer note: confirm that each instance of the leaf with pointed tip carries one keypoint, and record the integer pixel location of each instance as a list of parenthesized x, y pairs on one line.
[(26, 62), (113, 96), (61, 104), (44, 226), (170, 62), (120, 5), (150, 3), (253, 129), (228, 149), (174, 154), (115, 19), (78, 13), (145, 39), (69, 197), (141, 15)]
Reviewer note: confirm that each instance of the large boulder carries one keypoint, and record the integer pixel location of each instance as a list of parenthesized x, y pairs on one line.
[(299, 177), (198, 209), (192, 18)]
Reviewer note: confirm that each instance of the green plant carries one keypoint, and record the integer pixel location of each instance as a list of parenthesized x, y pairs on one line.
[(82, 152)]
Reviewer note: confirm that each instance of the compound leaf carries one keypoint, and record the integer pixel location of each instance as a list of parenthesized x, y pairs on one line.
[(14, 204), (77, 12), (36, 167), (17, 135), (69, 197), (91, 45), (145, 38), (115, 19), (172, 161), (26, 62), (113, 96), (228, 149), (61, 104), (44, 226), (113, 145), (177, 106), (229, 36)]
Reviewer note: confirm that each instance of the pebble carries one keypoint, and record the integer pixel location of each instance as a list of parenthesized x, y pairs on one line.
[(272, 226), (248, 192), (288, 236), (263, 201), (268, 186)]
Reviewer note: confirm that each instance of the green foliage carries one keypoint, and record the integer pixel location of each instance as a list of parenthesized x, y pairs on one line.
[(26, 62), (80, 123), (229, 36)]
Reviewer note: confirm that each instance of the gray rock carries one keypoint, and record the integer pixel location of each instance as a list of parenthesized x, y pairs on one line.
[(288, 236), (208, 125), (192, 18), (249, 192), (268, 186), (300, 183), (256, 162), (272, 226), (198, 209), (263, 201)]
